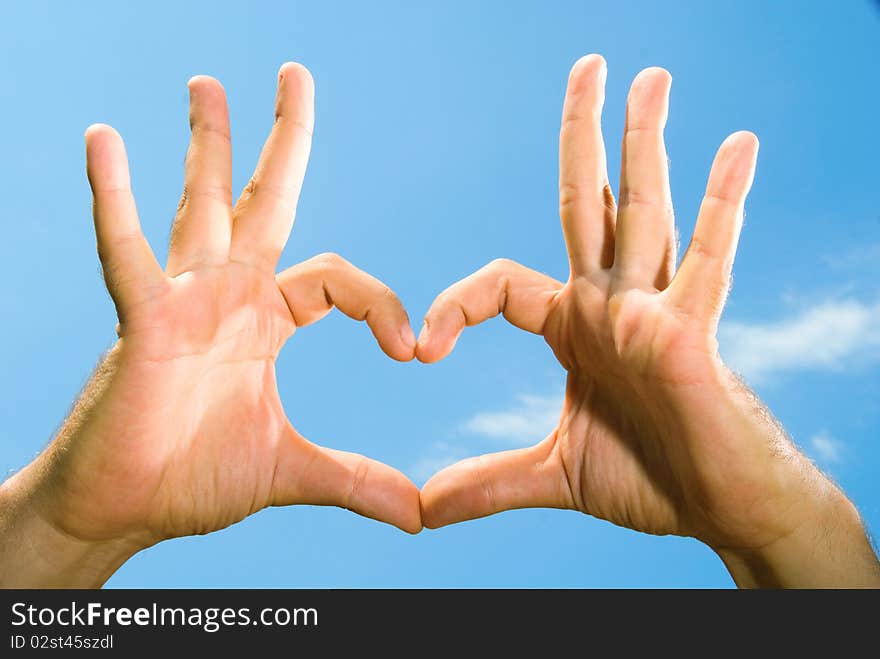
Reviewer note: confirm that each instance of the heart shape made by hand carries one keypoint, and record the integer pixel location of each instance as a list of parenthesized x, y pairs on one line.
[(182, 431)]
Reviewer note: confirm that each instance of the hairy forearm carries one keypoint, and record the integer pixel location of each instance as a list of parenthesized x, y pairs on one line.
[(824, 543), (34, 553), (830, 550)]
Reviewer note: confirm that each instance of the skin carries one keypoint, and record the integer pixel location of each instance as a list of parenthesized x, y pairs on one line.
[(655, 433), (181, 431)]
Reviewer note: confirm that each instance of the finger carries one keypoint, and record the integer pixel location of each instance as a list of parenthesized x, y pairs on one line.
[(586, 203), (263, 216), (701, 284), (492, 483), (524, 296), (203, 225), (314, 475), (314, 287), (130, 269), (645, 243)]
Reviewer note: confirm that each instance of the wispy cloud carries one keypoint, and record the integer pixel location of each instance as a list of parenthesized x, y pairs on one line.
[(527, 422), (825, 448), (439, 455), (831, 336), (859, 256)]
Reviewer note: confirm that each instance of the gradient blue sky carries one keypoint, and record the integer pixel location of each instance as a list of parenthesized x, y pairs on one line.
[(435, 151)]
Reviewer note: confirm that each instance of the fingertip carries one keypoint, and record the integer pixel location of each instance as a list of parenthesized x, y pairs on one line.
[(584, 70), (742, 139), (106, 160), (412, 522), (426, 507), (422, 352), (430, 521), (407, 335), (591, 62), (430, 352), (437, 339), (199, 81), (408, 515), (649, 84), (435, 499), (654, 74), (294, 71), (296, 95), (101, 132), (390, 325), (205, 86), (737, 157), (408, 339), (398, 352)]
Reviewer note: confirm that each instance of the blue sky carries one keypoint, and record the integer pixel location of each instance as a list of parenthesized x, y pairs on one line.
[(435, 151)]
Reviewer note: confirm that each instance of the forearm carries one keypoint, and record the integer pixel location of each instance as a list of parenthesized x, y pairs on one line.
[(830, 550), (36, 554), (798, 530)]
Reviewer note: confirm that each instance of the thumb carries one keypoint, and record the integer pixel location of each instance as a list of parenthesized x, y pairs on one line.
[(524, 478), (314, 475)]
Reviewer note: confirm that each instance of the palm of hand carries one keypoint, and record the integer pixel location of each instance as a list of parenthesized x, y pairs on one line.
[(212, 338), (638, 344), (623, 356), (182, 431)]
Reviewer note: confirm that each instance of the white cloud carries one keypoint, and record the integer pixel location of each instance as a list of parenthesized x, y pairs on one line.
[(527, 422), (825, 448), (867, 254), (832, 335), (439, 456)]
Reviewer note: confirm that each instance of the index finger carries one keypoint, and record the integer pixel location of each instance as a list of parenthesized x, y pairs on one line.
[(523, 295), (700, 286), (312, 288)]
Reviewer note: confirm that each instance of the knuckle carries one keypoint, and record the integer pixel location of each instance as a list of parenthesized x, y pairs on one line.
[(221, 192), (575, 119), (389, 296), (722, 199), (634, 198), (357, 481), (329, 261), (646, 130), (284, 196), (570, 195), (501, 265), (700, 249), (205, 129), (574, 195), (218, 192)]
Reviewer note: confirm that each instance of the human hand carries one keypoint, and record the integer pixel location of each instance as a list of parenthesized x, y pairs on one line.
[(182, 430), (655, 433)]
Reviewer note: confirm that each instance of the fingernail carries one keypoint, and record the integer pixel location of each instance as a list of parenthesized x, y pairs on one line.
[(406, 334)]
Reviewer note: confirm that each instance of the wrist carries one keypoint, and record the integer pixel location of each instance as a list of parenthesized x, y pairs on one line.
[(36, 552), (828, 549)]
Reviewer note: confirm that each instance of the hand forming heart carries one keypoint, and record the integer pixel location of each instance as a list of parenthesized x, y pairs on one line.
[(182, 430), (655, 434)]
